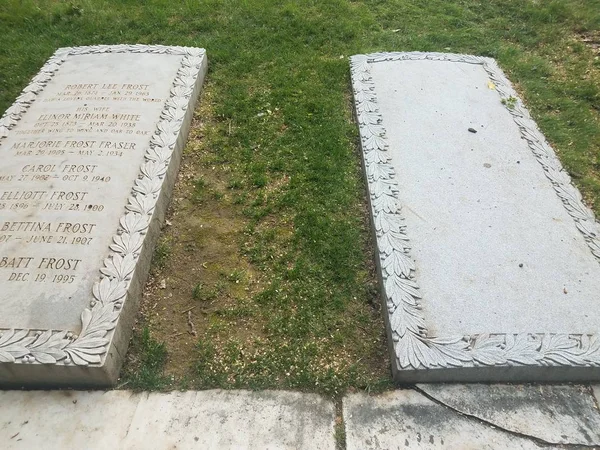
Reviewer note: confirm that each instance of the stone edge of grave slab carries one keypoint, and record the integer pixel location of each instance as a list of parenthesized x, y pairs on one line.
[(532, 356), (95, 355)]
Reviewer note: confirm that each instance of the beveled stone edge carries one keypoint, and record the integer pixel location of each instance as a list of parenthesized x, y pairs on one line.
[(90, 347), (413, 349)]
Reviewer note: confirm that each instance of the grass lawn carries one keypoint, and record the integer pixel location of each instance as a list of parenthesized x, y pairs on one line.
[(268, 250)]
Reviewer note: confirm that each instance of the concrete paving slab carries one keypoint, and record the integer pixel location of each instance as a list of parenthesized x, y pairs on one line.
[(405, 419), (488, 257), (178, 420), (233, 420), (563, 414), (65, 419)]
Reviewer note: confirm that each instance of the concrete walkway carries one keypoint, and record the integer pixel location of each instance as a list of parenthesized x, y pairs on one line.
[(421, 417), (474, 417)]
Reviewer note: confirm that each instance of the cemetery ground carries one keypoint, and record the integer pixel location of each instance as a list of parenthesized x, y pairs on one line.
[(264, 274)]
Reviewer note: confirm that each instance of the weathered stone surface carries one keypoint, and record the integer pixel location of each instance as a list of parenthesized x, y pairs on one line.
[(562, 414), (405, 419), (488, 257), (90, 152), (183, 420)]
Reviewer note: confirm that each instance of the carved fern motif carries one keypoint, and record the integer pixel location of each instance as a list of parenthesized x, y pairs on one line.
[(110, 291), (413, 347)]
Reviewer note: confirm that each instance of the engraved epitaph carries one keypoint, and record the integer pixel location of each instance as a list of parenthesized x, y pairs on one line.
[(90, 150), (489, 260)]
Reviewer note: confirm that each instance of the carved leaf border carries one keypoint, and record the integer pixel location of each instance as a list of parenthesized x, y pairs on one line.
[(413, 347), (110, 291)]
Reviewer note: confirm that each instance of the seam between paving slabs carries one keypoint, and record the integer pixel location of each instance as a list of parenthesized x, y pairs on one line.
[(340, 428), (534, 439), (595, 399)]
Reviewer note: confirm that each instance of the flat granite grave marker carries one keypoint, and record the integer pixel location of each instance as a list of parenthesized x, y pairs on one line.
[(489, 260), (90, 151)]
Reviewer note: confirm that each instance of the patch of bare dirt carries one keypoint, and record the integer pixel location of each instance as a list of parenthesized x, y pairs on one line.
[(200, 269), (592, 40)]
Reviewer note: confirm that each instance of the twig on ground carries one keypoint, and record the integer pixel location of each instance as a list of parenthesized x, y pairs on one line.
[(122, 385), (188, 310), (191, 324)]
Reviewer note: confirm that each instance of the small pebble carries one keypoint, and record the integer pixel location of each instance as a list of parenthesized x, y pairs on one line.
[(521, 265), (487, 165), (472, 130)]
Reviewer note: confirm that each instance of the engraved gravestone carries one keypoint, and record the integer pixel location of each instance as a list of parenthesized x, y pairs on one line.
[(90, 151), (489, 260)]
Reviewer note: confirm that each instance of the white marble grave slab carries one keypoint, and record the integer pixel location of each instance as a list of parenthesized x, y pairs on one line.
[(488, 257), (90, 151)]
